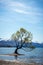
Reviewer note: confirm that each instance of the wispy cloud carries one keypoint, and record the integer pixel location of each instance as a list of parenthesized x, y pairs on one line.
[(26, 12), (16, 4), (20, 11), (19, 7), (22, 8)]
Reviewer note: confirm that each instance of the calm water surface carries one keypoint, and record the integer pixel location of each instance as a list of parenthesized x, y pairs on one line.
[(34, 56)]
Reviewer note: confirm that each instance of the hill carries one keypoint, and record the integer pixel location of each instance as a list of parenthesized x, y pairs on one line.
[(11, 43)]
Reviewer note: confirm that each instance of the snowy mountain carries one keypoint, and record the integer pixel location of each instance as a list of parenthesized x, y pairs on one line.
[(11, 43)]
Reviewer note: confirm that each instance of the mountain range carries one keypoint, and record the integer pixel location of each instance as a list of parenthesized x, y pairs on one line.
[(12, 43)]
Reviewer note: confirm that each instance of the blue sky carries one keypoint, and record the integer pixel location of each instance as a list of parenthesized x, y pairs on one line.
[(15, 14)]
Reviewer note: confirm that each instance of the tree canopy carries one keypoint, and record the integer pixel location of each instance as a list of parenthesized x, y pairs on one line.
[(22, 36)]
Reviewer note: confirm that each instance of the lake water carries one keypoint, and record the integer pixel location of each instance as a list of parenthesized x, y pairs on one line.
[(34, 56)]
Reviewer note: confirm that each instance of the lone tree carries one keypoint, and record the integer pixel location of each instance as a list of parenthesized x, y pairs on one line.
[(22, 37)]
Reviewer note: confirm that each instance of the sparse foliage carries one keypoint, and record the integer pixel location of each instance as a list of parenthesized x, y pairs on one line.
[(22, 37)]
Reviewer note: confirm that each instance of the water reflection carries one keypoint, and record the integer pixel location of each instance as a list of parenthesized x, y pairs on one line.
[(16, 57), (34, 56)]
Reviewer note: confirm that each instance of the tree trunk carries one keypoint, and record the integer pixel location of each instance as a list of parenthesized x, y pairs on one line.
[(16, 51)]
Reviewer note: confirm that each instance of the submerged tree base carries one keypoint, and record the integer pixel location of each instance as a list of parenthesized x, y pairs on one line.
[(16, 54)]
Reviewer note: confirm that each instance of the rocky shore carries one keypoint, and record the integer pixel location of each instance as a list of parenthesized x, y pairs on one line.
[(2, 62)]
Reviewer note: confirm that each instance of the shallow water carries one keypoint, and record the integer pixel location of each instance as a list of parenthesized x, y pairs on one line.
[(34, 56)]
